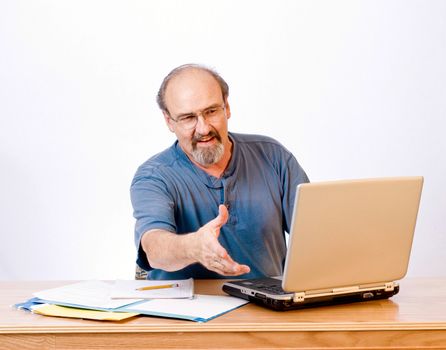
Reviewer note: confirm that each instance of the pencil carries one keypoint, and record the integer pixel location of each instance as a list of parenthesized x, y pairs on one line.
[(162, 286)]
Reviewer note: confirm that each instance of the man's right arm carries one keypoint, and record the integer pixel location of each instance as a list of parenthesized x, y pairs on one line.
[(171, 252), (166, 250)]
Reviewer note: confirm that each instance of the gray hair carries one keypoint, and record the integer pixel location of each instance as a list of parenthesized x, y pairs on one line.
[(160, 98)]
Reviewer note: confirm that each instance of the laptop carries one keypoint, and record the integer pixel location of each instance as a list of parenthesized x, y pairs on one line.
[(349, 241)]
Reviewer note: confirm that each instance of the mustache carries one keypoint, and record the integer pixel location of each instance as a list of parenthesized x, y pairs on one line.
[(198, 137)]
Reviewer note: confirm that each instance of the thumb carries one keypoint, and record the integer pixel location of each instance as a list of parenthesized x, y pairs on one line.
[(220, 220), (223, 214)]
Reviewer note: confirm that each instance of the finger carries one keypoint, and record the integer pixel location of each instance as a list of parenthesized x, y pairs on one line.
[(232, 272), (243, 269), (227, 266), (220, 220), (220, 269), (235, 269), (219, 265), (223, 213)]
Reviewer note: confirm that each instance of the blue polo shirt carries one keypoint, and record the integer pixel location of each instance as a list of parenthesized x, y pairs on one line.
[(258, 187)]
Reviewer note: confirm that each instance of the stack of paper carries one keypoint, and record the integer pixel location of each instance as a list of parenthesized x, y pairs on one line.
[(123, 299), (88, 300), (89, 295)]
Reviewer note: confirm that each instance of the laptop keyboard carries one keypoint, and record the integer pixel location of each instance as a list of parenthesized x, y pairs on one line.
[(267, 285)]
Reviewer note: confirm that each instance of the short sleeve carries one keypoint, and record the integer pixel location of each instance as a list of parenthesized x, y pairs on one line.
[(292, 175), (153, 208)]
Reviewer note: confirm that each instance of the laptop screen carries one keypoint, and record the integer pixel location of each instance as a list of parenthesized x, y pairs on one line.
[(351, 233)]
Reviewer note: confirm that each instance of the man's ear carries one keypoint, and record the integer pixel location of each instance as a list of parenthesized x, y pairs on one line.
[(227, 109), (169, 121)]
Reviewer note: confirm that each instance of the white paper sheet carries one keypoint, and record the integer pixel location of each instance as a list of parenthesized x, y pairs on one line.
[(129, 289), (91, 294), (199, 308)]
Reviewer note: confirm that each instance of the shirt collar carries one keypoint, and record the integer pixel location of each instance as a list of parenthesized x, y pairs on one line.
[(209, 180)]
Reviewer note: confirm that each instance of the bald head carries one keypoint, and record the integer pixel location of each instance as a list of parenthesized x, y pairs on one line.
[(184, 74)]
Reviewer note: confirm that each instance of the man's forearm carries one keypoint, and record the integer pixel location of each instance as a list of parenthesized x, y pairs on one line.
[(168, 251), (172, 252)]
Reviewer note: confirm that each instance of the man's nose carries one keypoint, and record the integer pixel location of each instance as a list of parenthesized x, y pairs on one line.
[(202, 126)]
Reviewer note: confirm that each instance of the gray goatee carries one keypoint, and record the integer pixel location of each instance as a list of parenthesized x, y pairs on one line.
[(209, 155)]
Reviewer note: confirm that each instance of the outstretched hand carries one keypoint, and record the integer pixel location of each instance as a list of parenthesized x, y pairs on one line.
[(210, 252)]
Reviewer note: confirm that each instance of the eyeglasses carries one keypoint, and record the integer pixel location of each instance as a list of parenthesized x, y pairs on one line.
[(190, 120)]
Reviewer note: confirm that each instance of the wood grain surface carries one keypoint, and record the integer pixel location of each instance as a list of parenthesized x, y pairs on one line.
[(413, 319)]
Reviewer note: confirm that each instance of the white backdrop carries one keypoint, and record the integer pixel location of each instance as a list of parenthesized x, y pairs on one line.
[(352, 88)]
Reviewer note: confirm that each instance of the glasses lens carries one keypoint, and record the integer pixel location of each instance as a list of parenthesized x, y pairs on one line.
[(209, 114), (188, 122)]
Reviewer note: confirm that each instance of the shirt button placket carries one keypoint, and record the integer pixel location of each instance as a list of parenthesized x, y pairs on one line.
[(229, 203)]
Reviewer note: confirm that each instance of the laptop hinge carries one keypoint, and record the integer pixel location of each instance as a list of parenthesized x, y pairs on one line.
[(299, 297), (389, 286)]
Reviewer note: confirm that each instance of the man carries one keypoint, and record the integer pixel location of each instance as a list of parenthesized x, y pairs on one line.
[(215, 203)]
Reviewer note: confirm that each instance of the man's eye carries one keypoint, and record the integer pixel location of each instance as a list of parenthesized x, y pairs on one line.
[(211, 111), (186, 118)]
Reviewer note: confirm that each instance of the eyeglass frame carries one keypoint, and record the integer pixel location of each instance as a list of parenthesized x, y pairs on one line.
[(195, 115)]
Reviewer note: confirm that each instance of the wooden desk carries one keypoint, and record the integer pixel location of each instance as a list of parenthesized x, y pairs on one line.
[(415, 318)]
